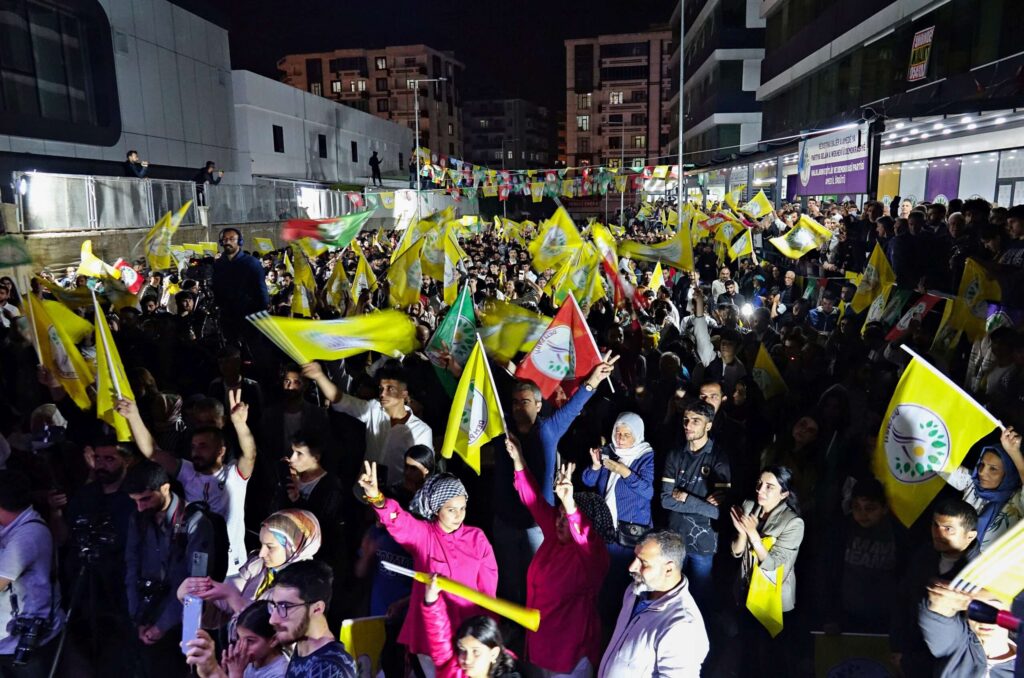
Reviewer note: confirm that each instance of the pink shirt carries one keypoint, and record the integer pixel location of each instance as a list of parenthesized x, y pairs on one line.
[(563, 583), (465, 555)]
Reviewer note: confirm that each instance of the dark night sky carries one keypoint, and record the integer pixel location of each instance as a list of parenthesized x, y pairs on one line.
[(510, 49)]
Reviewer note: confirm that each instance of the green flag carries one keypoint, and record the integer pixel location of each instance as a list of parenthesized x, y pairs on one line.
[(337, 232), (455, 335)]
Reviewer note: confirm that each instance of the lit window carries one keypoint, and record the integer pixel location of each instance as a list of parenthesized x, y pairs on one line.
[(583, 123), (615, 98), (485, 123), (583, 101), (361, 85), (335, 86), (640, 141), (382, 63)]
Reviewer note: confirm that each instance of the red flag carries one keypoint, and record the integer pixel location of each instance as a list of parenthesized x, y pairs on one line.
[(564, 355), (503, 191), (919, 310)]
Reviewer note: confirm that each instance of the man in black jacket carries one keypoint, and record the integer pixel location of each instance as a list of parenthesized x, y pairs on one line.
[(239, 284), (694, 478), (133, 167)]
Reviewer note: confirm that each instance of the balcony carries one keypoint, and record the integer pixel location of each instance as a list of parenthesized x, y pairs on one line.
[(624, 107), (413, 69)]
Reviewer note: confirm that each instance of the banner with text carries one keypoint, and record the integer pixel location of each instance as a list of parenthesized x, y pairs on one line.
[(834, 163)]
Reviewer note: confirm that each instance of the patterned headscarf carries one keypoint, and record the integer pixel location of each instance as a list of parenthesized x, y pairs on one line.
[(298, 533), (596, 511), (438, 489)]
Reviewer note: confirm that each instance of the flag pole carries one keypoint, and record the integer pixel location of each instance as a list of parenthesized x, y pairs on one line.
[(455, 325), (106, 344), (949, 382), (591, 335), (31, 314)]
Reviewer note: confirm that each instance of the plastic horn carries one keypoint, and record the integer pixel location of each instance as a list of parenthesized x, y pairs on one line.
[(526, 617)]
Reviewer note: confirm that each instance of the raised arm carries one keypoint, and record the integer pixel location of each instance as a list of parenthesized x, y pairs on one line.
[(246, 440), (144, 440), (403, 527), (544, 514), (1011, 440), (315, 373)]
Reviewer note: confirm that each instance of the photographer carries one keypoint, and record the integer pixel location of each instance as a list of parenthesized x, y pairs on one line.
[(29, 600), (163, 538)]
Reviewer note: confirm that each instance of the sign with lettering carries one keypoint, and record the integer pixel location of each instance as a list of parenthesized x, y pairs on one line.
[(920, 52), (834, 164)]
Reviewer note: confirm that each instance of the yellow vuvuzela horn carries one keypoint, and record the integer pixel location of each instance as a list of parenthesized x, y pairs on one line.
[(524, 616)]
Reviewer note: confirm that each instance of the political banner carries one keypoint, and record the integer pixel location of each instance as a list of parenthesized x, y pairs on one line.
[(834, 163)]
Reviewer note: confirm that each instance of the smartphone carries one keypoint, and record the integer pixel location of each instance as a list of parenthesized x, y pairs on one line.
[(191, 614)]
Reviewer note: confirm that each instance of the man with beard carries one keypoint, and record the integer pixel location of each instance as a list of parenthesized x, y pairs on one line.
[(298, 605), (207, 477), (163, 537), (660, 631), (239, 284)]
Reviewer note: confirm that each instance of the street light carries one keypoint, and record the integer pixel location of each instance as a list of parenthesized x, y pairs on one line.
[(504, 203), (680, 174), (416, 114)]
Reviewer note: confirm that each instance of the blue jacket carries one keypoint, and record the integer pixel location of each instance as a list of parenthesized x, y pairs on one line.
[(240, 286), (540, 450), (633, 494)]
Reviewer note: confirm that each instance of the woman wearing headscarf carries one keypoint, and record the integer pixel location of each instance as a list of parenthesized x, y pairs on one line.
[(993, 487), (623, 473), (286, 537), (440, 544), (566, 573)]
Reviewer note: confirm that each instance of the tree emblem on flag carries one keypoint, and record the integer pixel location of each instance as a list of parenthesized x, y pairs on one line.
[(553, 241), (414, 274), (474, 418), (871, 280), (61, 359), (553, 355), (762, 380), (916, 443), (972, 297)]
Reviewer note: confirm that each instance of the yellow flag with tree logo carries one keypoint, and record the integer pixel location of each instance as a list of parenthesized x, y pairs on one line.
[(58, 330), (405, 276), (877, 274), (557, 241), (759, 206), (977, 289), (363, 278), (929, 427), (476, 416), (766, 375)]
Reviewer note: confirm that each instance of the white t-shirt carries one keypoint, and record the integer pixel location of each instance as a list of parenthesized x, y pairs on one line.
[(224, 491), (10, 308)]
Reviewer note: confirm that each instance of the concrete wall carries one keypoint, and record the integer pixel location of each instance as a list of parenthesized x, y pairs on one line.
[(174, 87), (261, 103)]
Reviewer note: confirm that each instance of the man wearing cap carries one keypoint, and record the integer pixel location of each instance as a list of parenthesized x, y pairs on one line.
[(163, 538)]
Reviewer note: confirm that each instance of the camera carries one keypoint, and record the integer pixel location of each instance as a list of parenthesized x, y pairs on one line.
[(94, 535), (30, 630)]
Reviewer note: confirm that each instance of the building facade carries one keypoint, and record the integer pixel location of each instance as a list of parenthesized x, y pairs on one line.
[(381, 82), (286, 133), (722, 69), (508, 132), (617, 92)]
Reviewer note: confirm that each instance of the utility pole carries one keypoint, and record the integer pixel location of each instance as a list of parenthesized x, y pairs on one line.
[(416, 114), (680, 174), (504, 203)]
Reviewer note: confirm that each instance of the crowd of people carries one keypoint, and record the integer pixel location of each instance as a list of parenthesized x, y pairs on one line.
[(636, 513)]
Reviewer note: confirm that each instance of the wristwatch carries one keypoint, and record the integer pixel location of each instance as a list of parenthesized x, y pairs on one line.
[(588, 387)]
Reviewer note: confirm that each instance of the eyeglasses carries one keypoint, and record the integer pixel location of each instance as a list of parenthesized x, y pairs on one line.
[(283, 608)]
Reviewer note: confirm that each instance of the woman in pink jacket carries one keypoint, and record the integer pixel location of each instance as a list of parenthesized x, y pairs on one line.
[(566, 573), (441, 544)]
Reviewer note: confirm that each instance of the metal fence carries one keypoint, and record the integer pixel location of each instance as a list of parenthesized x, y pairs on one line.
[(68, 202)]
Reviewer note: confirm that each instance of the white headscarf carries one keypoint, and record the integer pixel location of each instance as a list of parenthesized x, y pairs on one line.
[(627, 455)]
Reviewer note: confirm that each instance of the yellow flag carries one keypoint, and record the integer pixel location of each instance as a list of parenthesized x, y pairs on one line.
[(877, 274), (508, 329), (764, 597), (92, 266), (263, 245), (364, 639), (766, 375), (997, 569), (557, 241), (805, 236), (677, 251), (454, 263), (111, 380), (432, 255), (157, 244), (312, 248), (948, 334), (57, 330), (741, 246), (977, 289), (363, 279), (928, 429), (405, 276), (759, 206), (389, 332), (305, 284), (876, 311), (476, 416), (733, 197), (657, 278), (337, 285)]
